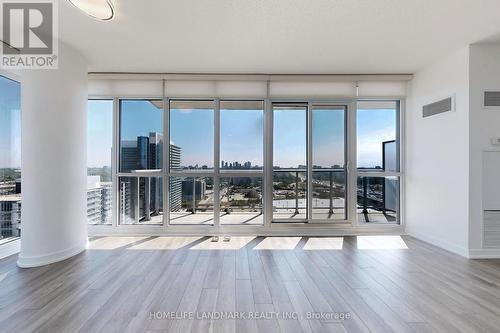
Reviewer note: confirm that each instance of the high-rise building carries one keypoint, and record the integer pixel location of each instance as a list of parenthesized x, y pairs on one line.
[(199, 188), (155, 156), (155, 153), (128, 155), (127, 201), (142, 153), (99, 200), (10, 215)]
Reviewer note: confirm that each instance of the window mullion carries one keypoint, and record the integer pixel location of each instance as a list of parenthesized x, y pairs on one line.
[(114, 163), (309, 162), (166, 159), (216, 163), (268, 163)]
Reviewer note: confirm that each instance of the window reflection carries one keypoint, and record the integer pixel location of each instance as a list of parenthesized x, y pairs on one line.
[(10, 159)]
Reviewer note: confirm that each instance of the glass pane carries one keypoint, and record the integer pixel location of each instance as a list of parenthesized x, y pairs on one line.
[(328, 155), (289, 195), (10, 159), (328, 135), (378, 199), (191, 200), (290, 135), (241, 134), (141, 200), (99, 154), (192, 134), (141, 135), (377, 126), (241, 200), (328, 197), (390, 160)]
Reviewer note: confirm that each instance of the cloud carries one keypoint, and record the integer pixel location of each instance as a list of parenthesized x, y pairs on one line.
[(370, 146)]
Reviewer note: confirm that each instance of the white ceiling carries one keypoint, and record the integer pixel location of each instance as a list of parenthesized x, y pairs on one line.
[(277, 36)]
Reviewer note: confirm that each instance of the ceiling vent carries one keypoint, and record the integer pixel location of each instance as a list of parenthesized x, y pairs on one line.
[(491, 99), (444, 105)]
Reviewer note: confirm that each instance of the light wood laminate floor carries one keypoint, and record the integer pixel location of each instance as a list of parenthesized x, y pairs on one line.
[(134, 284)]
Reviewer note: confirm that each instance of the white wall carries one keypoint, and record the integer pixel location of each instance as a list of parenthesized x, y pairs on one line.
[(484, 125), (437, 155), (54, 181)]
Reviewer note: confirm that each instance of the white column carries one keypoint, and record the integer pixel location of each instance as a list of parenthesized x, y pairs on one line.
[(54, 199)]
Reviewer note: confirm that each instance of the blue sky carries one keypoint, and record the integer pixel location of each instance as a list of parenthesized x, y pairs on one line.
[(192, 130), (139, 118), (290, 134), (328, 137), (242, 134), (374, 127), (10, 123), (241, 137), (99, 132)]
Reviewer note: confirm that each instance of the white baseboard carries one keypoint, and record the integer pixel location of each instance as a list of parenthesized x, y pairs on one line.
[(35, 261), (484, 253), (462, 251), (10, 248)]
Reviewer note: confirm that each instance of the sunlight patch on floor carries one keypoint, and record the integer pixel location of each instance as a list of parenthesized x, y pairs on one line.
[(235, 243), (324, 243), (278, 243), (381, 243), (112, 243), (166, 243), (388, 242)]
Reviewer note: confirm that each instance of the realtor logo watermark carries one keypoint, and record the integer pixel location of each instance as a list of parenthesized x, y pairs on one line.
[(29, 34)]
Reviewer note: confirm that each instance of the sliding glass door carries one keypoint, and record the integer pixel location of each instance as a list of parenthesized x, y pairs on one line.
[(328, 150), (290, 162), (192, 190), (241, 162), (309, 162)]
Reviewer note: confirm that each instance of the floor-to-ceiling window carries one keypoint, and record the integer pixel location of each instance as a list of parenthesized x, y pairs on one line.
[(378, 161), (290, 162), (309, 162), (192, 191), (10, 159), (241, 162), (99, 161), (216, 162), (213, 171), (140, 162), (328, 162)]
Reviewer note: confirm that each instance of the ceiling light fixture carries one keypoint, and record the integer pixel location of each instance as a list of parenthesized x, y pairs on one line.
[(99, 9)]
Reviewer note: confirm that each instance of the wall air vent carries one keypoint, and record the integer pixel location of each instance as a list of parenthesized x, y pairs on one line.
[(491, 229), (491, 99), (438, 107)]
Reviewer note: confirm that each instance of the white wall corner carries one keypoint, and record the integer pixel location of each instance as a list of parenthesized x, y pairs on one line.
[(439, 242)]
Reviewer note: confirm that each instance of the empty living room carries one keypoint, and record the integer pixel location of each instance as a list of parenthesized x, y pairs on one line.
[(249, 166)]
